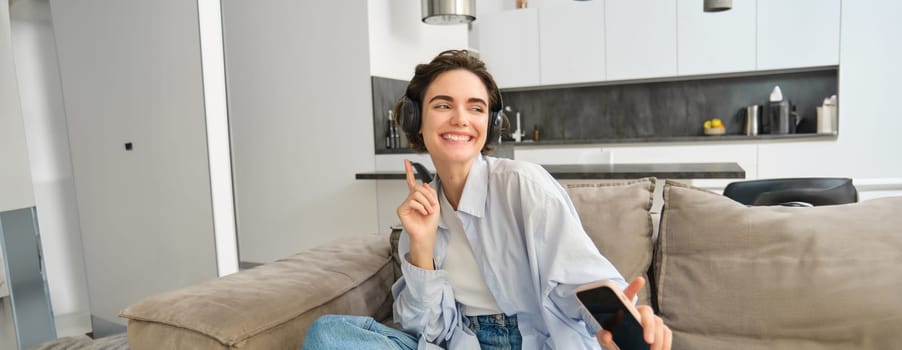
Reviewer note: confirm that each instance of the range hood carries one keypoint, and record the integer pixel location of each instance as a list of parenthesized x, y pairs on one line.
[(448, 11)]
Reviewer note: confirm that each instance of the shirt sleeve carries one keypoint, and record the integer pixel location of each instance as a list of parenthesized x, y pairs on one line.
[(424, 303), (563, 257)]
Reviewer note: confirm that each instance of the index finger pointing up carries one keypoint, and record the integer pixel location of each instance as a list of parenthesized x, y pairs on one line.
[(411, 180)]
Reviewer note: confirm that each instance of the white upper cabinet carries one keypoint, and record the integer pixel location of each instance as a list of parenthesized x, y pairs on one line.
[(798, 33), (572, 42), (641, 39), (715, 42), (509, 45)]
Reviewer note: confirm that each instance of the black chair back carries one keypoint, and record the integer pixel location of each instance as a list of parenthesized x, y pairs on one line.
[(814, 191)]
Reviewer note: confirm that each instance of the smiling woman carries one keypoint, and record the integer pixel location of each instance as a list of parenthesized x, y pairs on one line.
[(492, 250)]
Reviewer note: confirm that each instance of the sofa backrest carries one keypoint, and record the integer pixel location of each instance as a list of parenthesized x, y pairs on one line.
[(737, 277), (727, 276)]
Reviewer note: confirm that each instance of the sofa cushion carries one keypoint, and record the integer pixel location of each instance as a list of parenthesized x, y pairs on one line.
[(737, 277), (616, 216), (269, 306)]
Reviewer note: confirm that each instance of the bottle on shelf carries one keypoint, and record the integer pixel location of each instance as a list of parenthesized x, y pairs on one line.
[(389, 132), (396, 133)]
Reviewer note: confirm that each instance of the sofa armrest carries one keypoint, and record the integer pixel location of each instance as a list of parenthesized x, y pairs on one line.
[(272, 305)]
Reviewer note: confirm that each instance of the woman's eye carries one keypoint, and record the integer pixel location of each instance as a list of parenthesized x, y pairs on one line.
[(477, 109), (442, 106)]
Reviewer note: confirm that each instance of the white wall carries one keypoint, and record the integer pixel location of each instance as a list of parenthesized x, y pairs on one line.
[(399, 40), (48, 144), (870, 118), (15, 176), (131, 72), (300, 112)]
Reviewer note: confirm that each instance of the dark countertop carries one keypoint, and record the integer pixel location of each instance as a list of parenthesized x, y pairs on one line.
[(683, 171), (659, 139)]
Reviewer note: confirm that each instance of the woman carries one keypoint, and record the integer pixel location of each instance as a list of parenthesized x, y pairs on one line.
[(492, 253)]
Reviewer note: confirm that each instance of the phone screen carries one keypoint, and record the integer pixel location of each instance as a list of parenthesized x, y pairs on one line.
[(613, 316)]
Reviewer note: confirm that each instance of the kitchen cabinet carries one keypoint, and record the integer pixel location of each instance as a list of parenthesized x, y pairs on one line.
[(640, 39), (572, 42), (798, 33), (715, 42), (568, 42), (509, 46)]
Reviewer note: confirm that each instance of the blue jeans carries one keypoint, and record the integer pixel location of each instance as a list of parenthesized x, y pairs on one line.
[(355, 332), (495, 332)]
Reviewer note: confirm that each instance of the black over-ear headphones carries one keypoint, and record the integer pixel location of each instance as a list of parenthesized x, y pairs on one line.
[(410, 118)]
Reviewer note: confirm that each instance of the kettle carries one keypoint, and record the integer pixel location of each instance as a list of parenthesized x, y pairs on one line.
[(782, 117)]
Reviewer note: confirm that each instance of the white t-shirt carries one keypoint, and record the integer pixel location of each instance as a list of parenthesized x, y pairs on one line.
[(467, 281)]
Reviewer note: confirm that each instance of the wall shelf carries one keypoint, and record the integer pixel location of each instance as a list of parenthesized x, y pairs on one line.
[(656, 141)]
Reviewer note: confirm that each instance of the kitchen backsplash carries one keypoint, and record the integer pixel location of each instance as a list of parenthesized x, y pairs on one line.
[(385, 93), (641, 109)]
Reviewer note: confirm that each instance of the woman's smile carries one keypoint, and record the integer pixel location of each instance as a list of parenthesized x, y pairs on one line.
[(457, 137)]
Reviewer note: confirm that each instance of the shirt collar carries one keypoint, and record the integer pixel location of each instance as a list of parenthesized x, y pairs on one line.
[(472, 200)]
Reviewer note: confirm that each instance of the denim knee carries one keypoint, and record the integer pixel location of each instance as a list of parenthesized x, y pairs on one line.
[(320, 327)]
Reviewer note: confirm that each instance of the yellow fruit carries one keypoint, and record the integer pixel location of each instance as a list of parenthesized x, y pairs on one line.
[(707, 124), (716, 123)]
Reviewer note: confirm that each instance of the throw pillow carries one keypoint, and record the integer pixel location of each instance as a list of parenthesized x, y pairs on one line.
[(616, 217)]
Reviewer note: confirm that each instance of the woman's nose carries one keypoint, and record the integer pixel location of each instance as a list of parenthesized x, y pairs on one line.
[(459, 117)]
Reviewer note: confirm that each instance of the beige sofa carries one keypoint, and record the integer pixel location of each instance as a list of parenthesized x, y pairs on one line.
[(723, 276)]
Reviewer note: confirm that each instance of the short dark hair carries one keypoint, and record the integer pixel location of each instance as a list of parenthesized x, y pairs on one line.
[(426, 73)]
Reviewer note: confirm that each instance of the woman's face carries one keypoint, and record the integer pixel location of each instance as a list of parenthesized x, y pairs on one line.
[(455, 116)]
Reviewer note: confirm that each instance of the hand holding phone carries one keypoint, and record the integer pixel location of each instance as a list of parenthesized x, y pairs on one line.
[(612, 311)]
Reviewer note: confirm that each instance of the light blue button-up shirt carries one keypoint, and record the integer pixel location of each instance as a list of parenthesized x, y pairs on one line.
[(528, 240)]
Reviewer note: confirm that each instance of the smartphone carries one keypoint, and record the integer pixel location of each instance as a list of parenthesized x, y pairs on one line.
[(613, 312), (422, 173)]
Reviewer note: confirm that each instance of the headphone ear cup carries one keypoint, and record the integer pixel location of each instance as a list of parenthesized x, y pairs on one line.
[(495, 120), (409, 117)]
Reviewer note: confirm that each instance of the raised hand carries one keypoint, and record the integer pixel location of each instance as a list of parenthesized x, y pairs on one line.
[(419, 214), (654, 330)]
